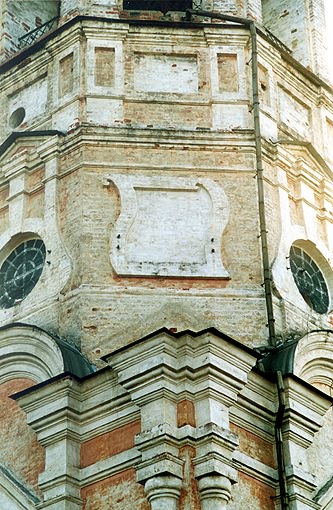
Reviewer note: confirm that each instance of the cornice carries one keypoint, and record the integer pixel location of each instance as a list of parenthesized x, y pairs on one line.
[(255, 469), (109, 467), (17, 58)]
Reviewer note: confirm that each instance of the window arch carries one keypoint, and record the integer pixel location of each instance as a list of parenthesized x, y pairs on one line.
[(312, 275), (29, 351), (313, 361)]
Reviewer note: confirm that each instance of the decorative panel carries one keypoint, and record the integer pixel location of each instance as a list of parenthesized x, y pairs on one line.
[(66, 75), (294, 114), (227, 72), (168, 227), (165, 73), (104, 66), (264, 88)]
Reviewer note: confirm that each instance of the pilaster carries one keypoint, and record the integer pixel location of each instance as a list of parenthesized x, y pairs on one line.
[(305, 410), (16, 171), (163, 370), (221, 373), (53, 413)]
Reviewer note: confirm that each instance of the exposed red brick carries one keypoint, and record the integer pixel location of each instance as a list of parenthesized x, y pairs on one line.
[(35, 178), (185, 413), (255, 446), (120, 491), (189, 496), (19, 450), (108, 444), (263, 493), (172, 282)]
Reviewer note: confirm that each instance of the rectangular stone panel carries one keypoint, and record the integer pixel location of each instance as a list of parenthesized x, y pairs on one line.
[(294, 114), (166, 73), (264, 89), (104, 67), (227, 72), (66, 75)]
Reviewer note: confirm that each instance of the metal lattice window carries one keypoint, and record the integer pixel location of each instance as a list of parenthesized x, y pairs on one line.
[(309, 280), (21, 271)]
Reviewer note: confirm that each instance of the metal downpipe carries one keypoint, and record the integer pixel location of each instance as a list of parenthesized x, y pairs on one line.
[(267, 283), (284, 500)]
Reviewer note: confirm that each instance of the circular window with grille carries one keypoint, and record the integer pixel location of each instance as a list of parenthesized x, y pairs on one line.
[(16, 118), (309, 279), (20, 271)]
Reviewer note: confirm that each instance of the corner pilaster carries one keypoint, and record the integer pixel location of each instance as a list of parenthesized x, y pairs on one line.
[(305, 410), (148, 371), (53, 413), (163, 370), (221, 373)]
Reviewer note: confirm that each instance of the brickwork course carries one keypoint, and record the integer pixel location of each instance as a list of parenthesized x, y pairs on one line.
[(166, 251)]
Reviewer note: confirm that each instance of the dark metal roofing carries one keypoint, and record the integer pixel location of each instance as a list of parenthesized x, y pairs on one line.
[(281, 359), (74, 361), (177, 334), (27, 134)]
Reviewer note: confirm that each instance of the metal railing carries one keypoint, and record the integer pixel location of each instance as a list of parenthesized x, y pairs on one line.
[(275, 40), (33, 35)]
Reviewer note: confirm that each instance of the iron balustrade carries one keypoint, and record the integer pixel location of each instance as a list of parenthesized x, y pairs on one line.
[(275, 40), (33, 35)]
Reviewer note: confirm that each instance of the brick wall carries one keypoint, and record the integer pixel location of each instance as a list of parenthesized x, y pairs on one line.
[(301, 26), (21, 17), (20, 452)]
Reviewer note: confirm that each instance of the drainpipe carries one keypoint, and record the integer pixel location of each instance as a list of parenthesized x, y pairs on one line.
[(264, 245), (267, 284), (284, 500)]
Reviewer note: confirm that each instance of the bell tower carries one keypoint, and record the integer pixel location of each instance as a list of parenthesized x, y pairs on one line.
[(166, 281)]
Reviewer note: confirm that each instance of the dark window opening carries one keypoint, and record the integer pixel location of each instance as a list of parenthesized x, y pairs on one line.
[(157, 5)]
